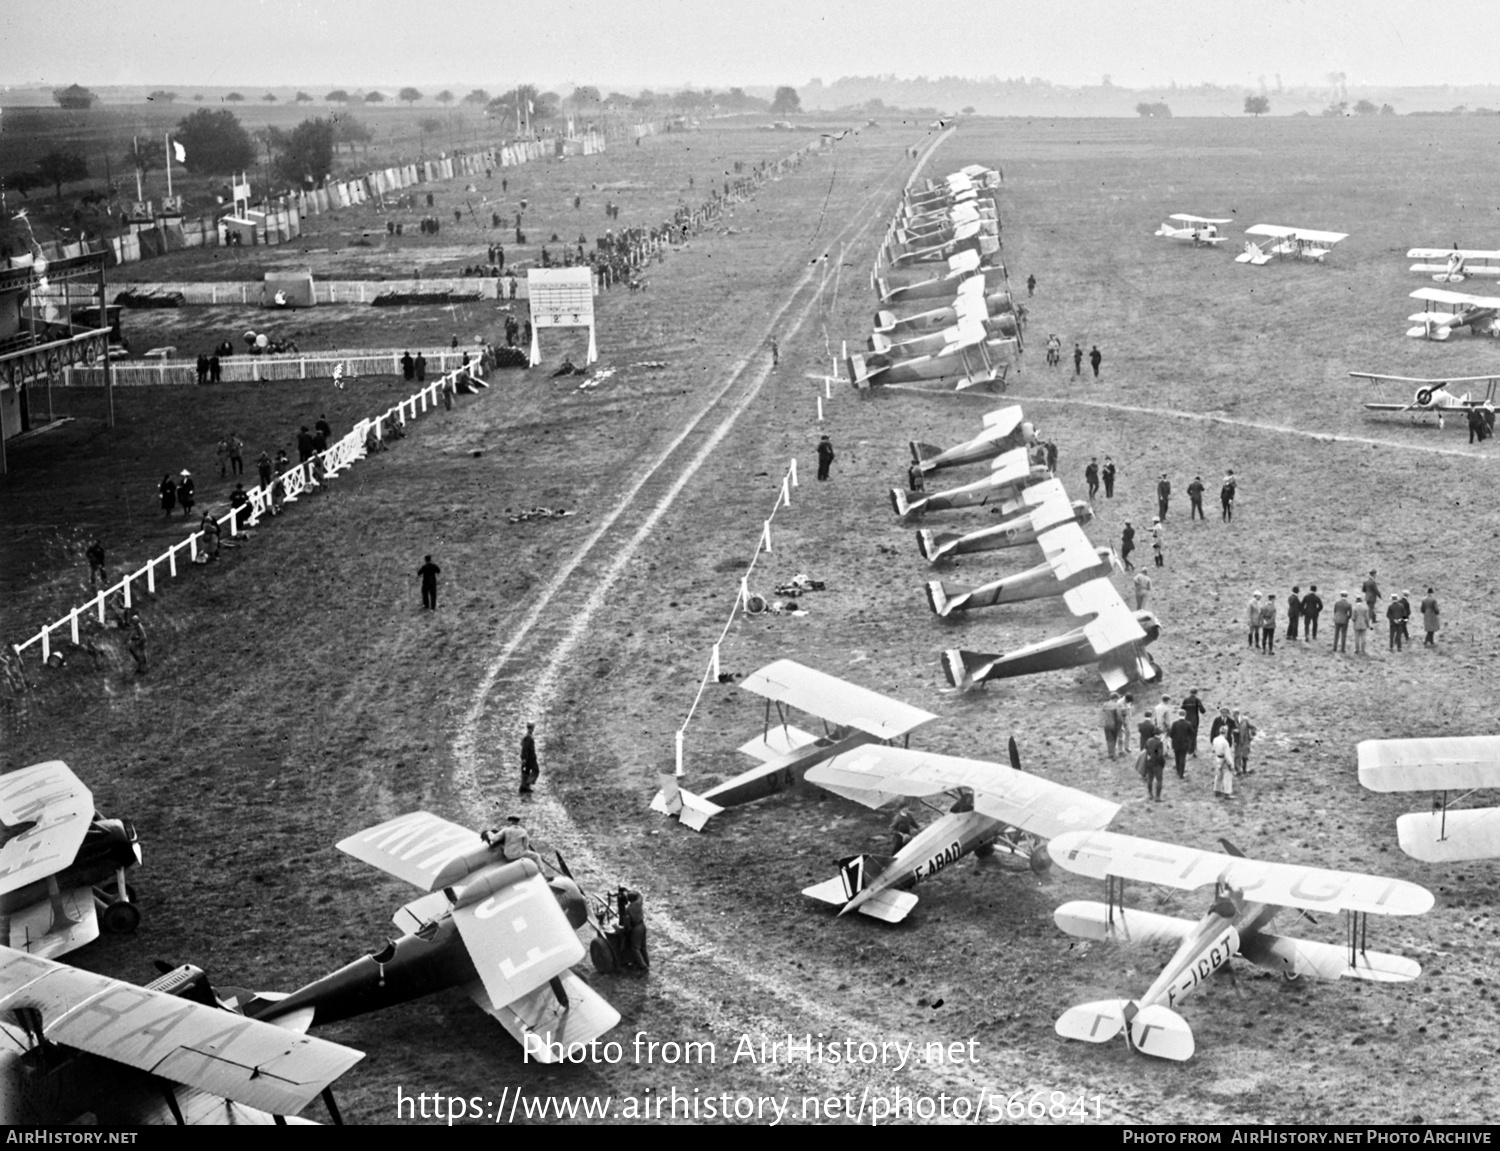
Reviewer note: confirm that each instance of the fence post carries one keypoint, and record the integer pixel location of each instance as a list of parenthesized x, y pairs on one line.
[(820, 409), (234, 521), (100, 601), (716, 663), (126, 588), (793, 471), (151, 576), (47, 644), (303, 364), (172, 561), (193, 547), (679, 753), (73, 620)]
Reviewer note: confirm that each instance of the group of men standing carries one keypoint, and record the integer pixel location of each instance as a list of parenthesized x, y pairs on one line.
[(1357, 615)]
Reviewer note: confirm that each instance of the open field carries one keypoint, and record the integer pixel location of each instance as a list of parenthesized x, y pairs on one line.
[(297, 692)]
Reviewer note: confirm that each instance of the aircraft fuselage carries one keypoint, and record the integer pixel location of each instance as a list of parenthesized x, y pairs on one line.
[(936, 847), (782, 772), (108, 846)]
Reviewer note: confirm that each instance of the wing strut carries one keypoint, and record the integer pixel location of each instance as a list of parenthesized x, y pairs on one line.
[(170, 1094), (333, 1108), (1114, 897), (1359, 925)]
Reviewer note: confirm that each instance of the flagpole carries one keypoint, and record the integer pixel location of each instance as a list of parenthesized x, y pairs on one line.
[(167, 136), (135, 143)]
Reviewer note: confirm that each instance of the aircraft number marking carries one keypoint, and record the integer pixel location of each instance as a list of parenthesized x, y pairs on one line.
[(950, 854), (1204, 966)]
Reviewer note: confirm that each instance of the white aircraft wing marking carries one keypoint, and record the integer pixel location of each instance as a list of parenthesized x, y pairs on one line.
[(1098, 854), (412, 847), (62, 808), (1114, 624), (518, 939)]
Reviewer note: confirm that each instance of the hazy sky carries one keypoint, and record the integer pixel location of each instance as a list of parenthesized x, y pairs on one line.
[(713, 43)]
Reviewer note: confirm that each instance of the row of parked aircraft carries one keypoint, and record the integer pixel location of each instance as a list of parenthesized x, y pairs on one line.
[(1277, 239)]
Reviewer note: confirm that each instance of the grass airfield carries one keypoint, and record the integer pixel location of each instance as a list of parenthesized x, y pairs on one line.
[(298, 693)]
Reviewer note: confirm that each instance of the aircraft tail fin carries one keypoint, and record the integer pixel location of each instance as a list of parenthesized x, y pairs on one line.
[(859, 372), (1093, 1022), (944, 600), (882, 288), (691, 810), (885, 321), (956, 670), (920, 452), (878, 342), (1160, 1031), (905, 508)]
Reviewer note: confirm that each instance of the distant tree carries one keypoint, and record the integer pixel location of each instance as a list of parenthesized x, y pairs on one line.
[(148, 155), (444, 97), (160, 96), (303, 97), (966, 110), (407, 96), (337, 96), (269, 98), (74, 96), (431, 124), (1257, 105), (375, 96), (585, 96), (348, 130), (1157, 110), (59, 167), (1366, 108), (306, 153), (1387, 110), (786, 101), (478, 96), (234, 98), (22, 182), (197, 97), (215, 142), (1337, 108)]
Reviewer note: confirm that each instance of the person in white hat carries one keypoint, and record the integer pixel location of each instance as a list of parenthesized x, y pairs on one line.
[(185, 493)]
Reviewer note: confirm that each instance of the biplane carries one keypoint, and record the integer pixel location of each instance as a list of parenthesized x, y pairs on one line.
[(994, 306), (1446, 311), (493, 926), (993, 807), (62, 864), (942, 224), (1041, 507), (1461, 764), (1201, 230), (1004, 431), (1247, 896), (76, 1047), (1115, 640), (1299, 243), (1458, 263), (970, 321), (1433, 396), (1009, 473), (980, 236), (943, 286), (852, 717), (969, 356)]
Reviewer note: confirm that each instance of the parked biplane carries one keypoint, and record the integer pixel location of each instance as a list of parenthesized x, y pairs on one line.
[(1201, 230), (1009, 473), (1433, 396), (76, 1047), (1115, 639), (992, 808), (852, 716), (1446, 311), (1004, 430), (1248, 894), (1463, 764), (923, 229), (996, 306), (1458, 263), (944, 286), (969, 356), (1299, 243), (981, 236), (62, 864), (495, 927), (1035, 509)]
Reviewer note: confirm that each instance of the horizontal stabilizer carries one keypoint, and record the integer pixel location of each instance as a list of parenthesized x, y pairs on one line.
[(889, 906), (1454, 837), (1160, 1031), (48, 930), (1295, 957), (1093, 1022), (934, 546), (1089, 920), (921, 451), (691, 810), (777, 742), (543, 1027), (421, 911), (830, 891)]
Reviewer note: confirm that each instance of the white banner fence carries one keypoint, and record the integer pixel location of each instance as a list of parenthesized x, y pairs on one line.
[(315, 472), (258, 369)]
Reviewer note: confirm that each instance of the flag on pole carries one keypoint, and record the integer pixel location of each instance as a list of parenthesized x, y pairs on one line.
[(180, 152)]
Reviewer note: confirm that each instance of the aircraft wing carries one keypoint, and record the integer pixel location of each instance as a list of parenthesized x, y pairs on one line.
[(1455, 299), (413, 847), (1067, 549), (1456, 763), (1015, 797), (1284, 232), (47, 810), (518, 939), (1377, 378), (1099, 854), (257, 1064), (1453, 836), (1002, 421), (835, 700), (540, 1028), (1114, 624), (1444, 253)]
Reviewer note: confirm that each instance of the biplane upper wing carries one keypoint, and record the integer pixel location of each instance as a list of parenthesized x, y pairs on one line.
[(1003, 421), (835, 700), (1305, 234), (1114, 624), (45, 812), (413, 847), (1018, 798), (1445, 253), (1063, 542), (1101, 854), (1455, 299), (254, 1063), (518, 938), (1453, 763), (1443, 382), (1184, 218)]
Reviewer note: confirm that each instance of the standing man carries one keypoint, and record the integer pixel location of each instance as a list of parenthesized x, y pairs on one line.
[(1155, 765), (429, 573), (236, 454), (1163, 713), (1429, 610), (419, 365), (1360, 621), (1223, 724), (1096, 357), (1371, 591), (1111, 718), (1077, 359), (1252, 618), (1182, 735), (775, 354), (1108, 475), (1127, 545), (1312, 607), (530, 769), (1030, 286), (1223, 767), (304, 445), (1163, 495), (185, 495), (263, 466), (1193, 708), (1293, 613), (1342, 611), (1091, 476), (135, 643), (1158, 534), (1395, 615), (1226, 496), (1142, 584), (825, 457), (1268, 625), (95, 556), (1195, 498)]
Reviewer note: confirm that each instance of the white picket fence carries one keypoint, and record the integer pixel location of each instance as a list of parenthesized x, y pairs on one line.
[(294, 482), (253, 294), (258, 369)]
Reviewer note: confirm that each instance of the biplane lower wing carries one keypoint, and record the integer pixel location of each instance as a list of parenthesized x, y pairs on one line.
[(56, 925), (1457, 835), (546, 1028), (1296, 957), (518, 938), (890, 906), (1087, 919)]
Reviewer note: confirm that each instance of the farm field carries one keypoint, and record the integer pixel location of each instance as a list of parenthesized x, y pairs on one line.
[(298, 693)]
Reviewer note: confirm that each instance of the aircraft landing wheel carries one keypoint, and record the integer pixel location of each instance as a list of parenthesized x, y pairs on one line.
[(109, 892), (1291, 976), (603, 956), (121, 918), (984, 850), (1041, 862), (1424, 396)]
